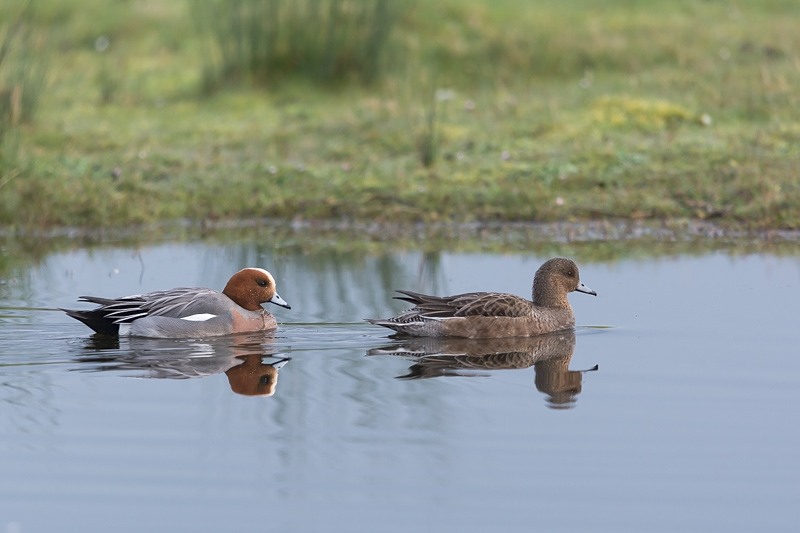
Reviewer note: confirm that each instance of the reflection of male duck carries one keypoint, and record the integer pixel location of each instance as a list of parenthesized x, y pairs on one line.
[(548, 354), (241, 357)]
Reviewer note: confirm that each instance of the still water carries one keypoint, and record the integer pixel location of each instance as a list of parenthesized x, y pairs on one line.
[(672, 407)]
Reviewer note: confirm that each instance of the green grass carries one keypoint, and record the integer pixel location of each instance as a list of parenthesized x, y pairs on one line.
[(555, 111)]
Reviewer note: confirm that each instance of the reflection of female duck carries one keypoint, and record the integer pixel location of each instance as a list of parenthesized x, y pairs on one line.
[(548, 354), (240, 357)]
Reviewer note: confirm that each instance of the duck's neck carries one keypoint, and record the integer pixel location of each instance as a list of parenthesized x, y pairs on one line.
[(242, 297), (545, 298)]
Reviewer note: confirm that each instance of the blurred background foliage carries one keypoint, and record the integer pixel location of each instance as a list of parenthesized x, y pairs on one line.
[(399, 110)]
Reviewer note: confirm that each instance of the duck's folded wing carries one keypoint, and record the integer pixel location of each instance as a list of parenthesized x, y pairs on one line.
[(176, 303), (434, 306), (468, 304), (181, 303), (492, 304)]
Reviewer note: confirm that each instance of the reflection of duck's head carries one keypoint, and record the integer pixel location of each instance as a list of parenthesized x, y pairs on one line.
[(562, 385), (252, 377)]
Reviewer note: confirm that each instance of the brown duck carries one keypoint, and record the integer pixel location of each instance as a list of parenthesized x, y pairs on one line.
[(484, 315)]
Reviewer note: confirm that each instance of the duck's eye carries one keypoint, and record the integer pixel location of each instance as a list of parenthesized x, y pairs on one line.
[(571, 273), (262, 282)]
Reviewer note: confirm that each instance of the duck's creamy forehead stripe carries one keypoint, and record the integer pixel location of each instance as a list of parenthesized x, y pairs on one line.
[(200, 317), (265, 272)]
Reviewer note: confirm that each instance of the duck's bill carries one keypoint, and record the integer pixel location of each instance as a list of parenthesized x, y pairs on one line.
[(277, 300), (586, 290)]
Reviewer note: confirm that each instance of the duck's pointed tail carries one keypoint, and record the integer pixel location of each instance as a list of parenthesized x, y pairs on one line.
[(97, 321)]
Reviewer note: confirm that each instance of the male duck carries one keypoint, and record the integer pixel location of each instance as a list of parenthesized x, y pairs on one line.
[(188, 312)]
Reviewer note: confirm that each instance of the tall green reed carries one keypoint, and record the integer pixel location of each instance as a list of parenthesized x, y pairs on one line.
[(23, 71), (261, 41)]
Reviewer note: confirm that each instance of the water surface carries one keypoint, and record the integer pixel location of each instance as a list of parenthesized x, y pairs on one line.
[(688, 422)]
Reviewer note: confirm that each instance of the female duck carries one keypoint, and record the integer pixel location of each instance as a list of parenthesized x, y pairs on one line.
[(482, 315)]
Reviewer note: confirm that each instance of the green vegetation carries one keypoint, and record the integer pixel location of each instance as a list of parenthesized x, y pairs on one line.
[(472, 111), (264, 41), (22, 69)]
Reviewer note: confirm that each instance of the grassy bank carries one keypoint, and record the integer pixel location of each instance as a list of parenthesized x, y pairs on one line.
[(483, 111)]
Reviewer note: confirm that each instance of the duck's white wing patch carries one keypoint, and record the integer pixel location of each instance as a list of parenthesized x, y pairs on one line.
[(200, 317)]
